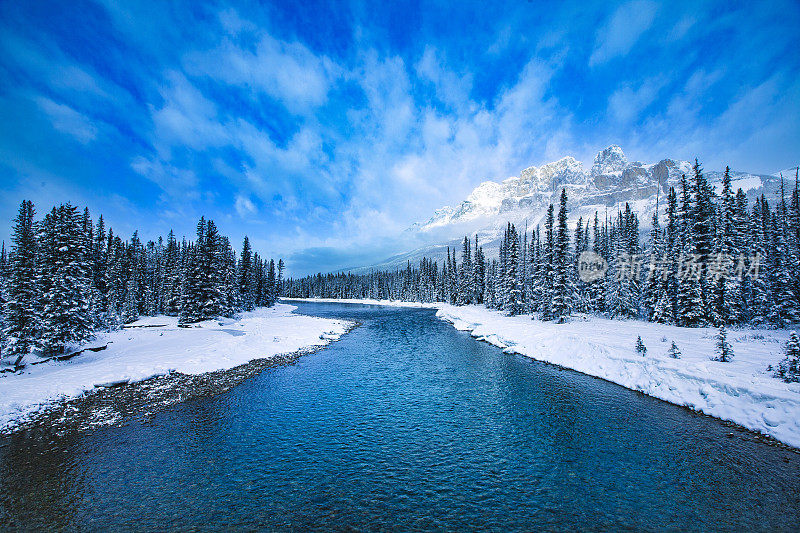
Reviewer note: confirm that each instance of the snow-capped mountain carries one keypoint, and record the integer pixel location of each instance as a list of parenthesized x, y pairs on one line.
[(523, 200)]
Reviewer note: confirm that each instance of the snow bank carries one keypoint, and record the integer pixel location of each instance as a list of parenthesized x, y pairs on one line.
[(137, 354), (741, 391)]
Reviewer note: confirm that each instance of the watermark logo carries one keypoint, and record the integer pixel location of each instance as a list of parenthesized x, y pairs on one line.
[(591, 266)]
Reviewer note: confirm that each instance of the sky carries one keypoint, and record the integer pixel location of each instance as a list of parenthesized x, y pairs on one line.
[(322, 130)]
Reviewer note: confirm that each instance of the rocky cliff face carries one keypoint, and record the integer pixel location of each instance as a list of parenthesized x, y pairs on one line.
[(611, 179)]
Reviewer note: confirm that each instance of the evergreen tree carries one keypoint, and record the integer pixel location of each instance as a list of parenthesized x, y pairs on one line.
[(673, 351), (690, 296), (655, 289), (66, 314), (725, 295), (272, 284), (281, 267), (562, 285), (479, 273), (20, 310), (516, 304), (724, 350), (789, 368), (465, 278), (640, 347), (245, 284), (547, 267)]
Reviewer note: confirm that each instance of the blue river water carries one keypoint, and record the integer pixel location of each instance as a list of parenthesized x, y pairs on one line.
[(406, 424)]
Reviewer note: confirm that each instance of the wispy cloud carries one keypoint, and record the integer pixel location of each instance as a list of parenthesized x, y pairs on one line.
[(625, 27), (311, 128)]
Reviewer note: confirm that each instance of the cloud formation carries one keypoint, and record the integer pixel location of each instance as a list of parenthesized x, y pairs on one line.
[(324, 131)]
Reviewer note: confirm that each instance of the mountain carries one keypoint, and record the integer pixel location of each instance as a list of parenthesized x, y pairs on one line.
[(523, 200)]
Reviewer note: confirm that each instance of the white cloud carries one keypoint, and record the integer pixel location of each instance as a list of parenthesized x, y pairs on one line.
[(244, 206), (623, 30), (626, 103), (287, 71), (67, 120), (177, 182)]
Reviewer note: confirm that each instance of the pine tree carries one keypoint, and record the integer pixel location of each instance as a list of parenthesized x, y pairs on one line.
[(272, 284), (724, 304), (516, 303), (701, 221), (245, 283), (673, 351), (724, 350), (465, 277), (281, 267), (690, 296), (758, 297), (654, 290), (20, 311), (562, 286), (640, 347), (789, 369), (547, 267), (666, 297), (130, 307), (479, 273), (66, 315)]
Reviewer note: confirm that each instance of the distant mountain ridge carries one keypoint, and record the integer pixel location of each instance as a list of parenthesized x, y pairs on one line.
[(611, 182)]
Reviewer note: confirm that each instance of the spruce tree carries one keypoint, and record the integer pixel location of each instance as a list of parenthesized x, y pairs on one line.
[(515, 304), (673, 351), (562, 284), (691, 307), (479, 273), (66, 314), (789, 368), (724, 350), (548, 267), (20, 310), (245, 284), (640, 347), (272, 284), (465, 275)]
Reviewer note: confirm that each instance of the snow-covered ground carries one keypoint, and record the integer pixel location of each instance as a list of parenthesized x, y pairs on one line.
[(742, 391), (137, 354)]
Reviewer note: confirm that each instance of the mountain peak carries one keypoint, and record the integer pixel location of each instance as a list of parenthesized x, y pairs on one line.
[(609, 161)]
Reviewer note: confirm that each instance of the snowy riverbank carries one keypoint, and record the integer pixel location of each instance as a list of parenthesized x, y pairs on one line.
[(741, 391), (137, 354)]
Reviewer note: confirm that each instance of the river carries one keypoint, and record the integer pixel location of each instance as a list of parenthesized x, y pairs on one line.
[(406, 423)]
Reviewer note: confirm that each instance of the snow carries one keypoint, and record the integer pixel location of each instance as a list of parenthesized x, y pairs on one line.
[(138, 354), (741, 391)]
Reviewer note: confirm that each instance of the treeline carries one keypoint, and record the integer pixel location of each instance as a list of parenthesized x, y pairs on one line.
[(714, 260), (66, 276)]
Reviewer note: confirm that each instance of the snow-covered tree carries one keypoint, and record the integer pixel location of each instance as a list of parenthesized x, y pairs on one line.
[(20, 326), (724, 350), (789, 368), (562, 284), (65, 276), (673, 351), (640, 347)]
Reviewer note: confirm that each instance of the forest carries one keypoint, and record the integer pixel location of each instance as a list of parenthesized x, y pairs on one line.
[(66, 277)]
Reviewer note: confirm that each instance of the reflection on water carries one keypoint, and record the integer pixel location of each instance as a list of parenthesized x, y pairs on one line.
[(410, 424)]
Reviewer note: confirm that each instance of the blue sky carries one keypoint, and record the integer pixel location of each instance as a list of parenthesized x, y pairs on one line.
[(324, 129)]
